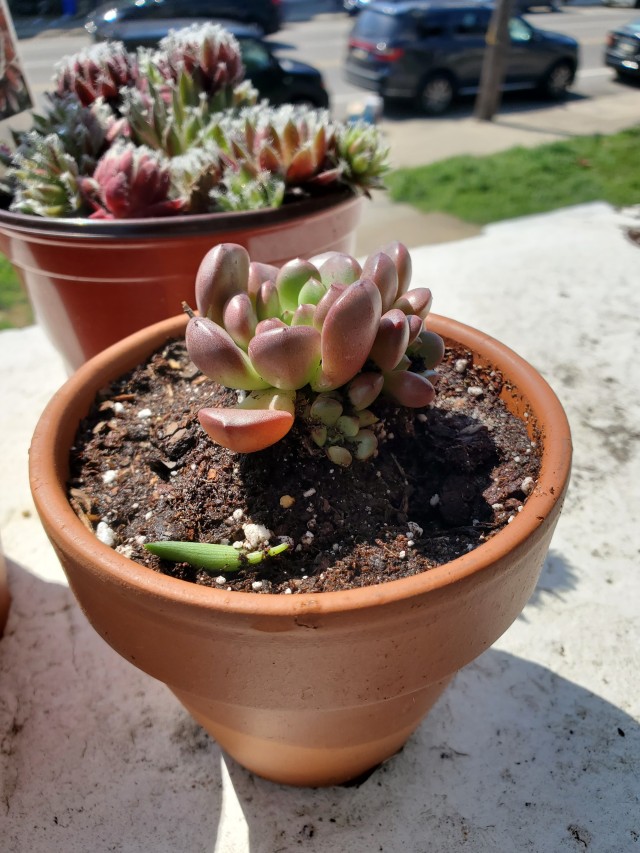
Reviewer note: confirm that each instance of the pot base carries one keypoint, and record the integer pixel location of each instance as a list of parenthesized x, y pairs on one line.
[(269, 743)]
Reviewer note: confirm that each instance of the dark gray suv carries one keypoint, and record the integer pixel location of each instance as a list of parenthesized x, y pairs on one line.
[(429, 52)]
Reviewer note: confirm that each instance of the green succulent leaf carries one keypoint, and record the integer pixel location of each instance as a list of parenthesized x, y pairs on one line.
[(211, 558)]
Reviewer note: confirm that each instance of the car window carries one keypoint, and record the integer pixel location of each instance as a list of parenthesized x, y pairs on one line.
[(432, 26), (519, 30), (255, 56), (470, 23), (149, 9), (376, 26)]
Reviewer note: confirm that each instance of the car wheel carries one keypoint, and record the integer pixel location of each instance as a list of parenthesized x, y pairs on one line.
[(558, 80), (436, 94)]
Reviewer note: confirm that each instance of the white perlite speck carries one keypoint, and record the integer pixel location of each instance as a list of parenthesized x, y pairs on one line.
[(434, 500), (402, 555), (288, 591), (144, 413), (105, 534), (415, 531), (237, 514), (118, 408), (256, 534), (527, 485), (109, 476), (475, 391), (461, 365), (220, 580), (256, 585), (308, 493)]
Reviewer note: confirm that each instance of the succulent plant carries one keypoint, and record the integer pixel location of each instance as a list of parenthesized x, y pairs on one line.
[(204, 143), (318, 342), (102, 70), (130, 182)]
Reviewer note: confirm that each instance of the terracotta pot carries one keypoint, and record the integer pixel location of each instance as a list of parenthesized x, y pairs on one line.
[(92, 283), (308, 689)]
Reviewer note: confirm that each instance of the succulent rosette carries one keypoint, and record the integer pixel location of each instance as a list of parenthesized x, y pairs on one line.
[(204, 145), (315, 340)]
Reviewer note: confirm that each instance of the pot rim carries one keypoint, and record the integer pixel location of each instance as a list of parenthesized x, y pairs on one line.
[(170, 226), (57, 426)]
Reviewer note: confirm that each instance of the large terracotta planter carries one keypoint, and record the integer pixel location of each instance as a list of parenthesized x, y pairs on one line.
[(304, 689), (92, 283)]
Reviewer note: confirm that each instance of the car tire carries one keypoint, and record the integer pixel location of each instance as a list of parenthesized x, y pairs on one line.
[(557, 80), (436, 94)]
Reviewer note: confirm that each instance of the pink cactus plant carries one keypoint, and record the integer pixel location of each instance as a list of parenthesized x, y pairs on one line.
[(317, 341)]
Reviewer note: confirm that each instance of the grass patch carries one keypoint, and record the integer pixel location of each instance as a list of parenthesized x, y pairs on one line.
[(522, 181), (15, 310)]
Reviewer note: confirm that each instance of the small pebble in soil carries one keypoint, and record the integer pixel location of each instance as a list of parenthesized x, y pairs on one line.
[(144, 413), (105, 534)]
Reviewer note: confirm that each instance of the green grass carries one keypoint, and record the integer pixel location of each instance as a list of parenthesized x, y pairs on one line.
[(15, 310), (523, 181)]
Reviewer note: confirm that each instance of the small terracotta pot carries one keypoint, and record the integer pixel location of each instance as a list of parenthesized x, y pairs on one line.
[(92, 283), (310, 689)]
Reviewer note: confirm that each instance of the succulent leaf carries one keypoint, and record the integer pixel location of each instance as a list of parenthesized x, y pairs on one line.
[(214, 352), (417, 301), (291, 279), (288, 357), (409, 389), (364, 389), (348, 333), (224, 271), (340, 268), (239, 319), (391, 340), (401, 258), (382, 271), (245, 430)]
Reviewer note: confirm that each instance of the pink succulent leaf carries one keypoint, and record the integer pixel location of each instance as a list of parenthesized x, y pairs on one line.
[(401, 258), (340, 268), (267, 301), (320, 145), (245, 430), (391, 340), (312, 292), (302, 167), (409, 389), (288, 357), (214, 352), (381, 269), (415, 327), (365, 443), (417, 301), (348, 333), (268, 324), (239, 319), (303, 315), (291, 279), (290, 139), (364, 389), (224, 271), (322, 308), (268, 160), (258, 274)]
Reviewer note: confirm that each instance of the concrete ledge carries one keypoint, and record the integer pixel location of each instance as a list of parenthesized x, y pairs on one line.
[(534, 747)]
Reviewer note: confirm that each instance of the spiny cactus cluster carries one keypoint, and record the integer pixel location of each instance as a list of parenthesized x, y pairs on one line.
[(185, 119), (316, 340)]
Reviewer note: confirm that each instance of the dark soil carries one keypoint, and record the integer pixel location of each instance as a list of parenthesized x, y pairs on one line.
[(444, 480)]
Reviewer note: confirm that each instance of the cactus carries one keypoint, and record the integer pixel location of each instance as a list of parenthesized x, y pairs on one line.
[(319, 343), (45, 179)]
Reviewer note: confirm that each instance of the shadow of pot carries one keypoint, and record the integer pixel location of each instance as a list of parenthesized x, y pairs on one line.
[(93, 282), (308, 689)]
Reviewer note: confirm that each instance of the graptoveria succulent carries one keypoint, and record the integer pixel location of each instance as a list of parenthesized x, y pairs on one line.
[(317, 340)]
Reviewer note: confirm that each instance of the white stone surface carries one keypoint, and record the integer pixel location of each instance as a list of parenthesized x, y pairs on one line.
[(535, 747)]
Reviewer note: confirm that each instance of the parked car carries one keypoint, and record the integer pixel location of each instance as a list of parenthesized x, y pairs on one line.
[(127, 20), (430, 52), (622, 52), (279, 80), (630, 4)]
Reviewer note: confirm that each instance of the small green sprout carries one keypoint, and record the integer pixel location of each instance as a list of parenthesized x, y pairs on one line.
[(212, 558)]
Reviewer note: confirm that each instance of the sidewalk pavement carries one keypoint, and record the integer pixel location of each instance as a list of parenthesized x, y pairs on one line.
[(535, 747)]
